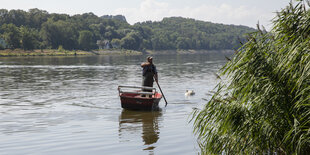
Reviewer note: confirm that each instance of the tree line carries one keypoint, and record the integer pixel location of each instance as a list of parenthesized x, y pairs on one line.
[(38, 29)]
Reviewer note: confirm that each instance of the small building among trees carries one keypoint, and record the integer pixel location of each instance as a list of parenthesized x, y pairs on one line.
[(103, 44), (3, 44)]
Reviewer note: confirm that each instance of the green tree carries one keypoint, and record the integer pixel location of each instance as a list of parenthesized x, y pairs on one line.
[(132, 41), (17, 17), (37, 18), (110, 33), (156, 45), (263, 105), (11, 35), (183, 43), (128, 42), (170, 33), (29, 38), (86, 40), (4, 16), (55, 33), (116, 43)]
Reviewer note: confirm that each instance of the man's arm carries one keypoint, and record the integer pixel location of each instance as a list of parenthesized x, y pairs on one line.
[(145, 64), (156, 77), (155, 73)]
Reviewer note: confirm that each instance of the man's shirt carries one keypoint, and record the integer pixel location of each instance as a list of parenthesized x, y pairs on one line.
[(149, 68)]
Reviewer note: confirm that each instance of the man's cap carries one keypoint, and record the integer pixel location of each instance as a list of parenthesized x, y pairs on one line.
[(149, 57)]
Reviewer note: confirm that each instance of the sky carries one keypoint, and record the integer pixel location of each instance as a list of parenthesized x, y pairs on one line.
[(236, 12)]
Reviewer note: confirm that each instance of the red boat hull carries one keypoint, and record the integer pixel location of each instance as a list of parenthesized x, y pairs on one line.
[(137, 102)]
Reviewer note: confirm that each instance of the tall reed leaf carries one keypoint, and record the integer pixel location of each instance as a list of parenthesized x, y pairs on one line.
[(265, 106)]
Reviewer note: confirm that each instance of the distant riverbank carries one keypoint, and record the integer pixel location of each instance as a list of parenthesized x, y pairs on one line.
[(55, 52), (187, 51)]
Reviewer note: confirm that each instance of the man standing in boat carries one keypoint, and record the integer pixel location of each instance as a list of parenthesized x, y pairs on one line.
[(149, 73)]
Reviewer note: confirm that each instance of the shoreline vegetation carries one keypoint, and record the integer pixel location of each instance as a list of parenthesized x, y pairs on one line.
[(37, 29), (262, 104), (57, 52)]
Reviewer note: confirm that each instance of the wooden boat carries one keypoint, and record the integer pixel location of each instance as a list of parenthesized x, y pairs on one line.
[(138, 98)]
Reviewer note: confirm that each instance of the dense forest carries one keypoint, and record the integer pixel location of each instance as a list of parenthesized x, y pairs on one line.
[(38, 29)]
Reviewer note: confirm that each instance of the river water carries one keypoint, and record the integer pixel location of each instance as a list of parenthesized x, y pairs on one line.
[(70, 105)]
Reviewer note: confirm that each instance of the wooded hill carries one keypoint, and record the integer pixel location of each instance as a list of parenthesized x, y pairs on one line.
[(38, 29)]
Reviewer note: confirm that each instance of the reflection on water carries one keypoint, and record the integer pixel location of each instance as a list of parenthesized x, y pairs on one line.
[(70, 105), (146, 122)]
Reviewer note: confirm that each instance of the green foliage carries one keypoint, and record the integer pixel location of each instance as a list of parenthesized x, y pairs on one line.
[(53, 30), (55, 33), (1, 47), (263, 107), (116, 43), (86, 40), (29, 38), (60, 48), (183, 33), (130, 42), (36, 18), (11, 35)]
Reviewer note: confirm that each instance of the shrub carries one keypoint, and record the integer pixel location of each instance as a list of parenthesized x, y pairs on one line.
[(264, 107)]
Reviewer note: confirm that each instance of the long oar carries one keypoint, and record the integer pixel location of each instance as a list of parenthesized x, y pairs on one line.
[(161, 92)]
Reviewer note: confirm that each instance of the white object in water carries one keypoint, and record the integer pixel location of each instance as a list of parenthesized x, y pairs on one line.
[(189, 93)]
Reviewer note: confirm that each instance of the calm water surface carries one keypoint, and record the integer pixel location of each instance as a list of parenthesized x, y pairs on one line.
[(70, 105)]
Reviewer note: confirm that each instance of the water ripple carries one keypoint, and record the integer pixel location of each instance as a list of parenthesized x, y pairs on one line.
[(70, 105)]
